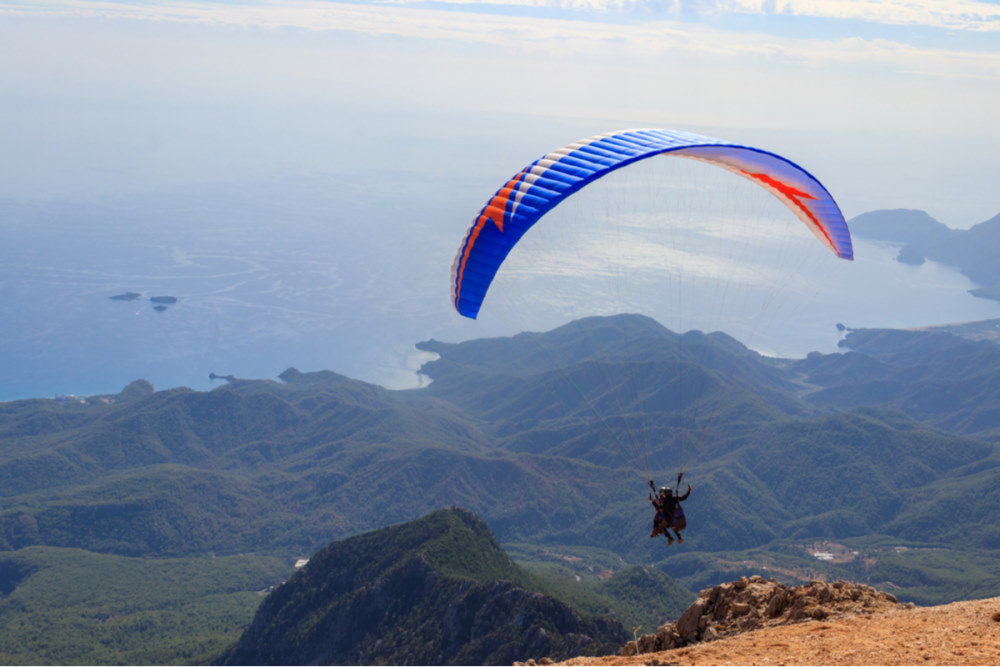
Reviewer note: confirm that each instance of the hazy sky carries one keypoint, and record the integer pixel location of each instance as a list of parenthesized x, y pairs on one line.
[(336, 152), (891, 103)]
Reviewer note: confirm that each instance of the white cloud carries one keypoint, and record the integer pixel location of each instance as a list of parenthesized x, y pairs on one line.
[(596, 38), (962, 15), (970, 15), (949, 14)]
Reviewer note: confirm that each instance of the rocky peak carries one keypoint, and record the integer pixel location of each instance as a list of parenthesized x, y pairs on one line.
[(753, 602)]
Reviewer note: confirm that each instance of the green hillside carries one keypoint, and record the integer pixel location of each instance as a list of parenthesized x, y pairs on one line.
[(69, 606), (438, 590), (549, 438)]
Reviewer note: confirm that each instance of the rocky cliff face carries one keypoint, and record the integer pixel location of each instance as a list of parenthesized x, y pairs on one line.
[(751, 603), (353, 604)]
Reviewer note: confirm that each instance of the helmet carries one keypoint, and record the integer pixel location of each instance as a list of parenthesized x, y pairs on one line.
[(665, 490)]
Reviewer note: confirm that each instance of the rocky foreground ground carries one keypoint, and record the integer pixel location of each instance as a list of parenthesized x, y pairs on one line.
[(754, 621)]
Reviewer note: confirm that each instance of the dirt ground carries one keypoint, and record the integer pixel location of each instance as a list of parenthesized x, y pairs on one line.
[(961, 633)]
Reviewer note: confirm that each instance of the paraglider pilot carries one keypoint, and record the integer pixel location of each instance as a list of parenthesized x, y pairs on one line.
[(669, 513)]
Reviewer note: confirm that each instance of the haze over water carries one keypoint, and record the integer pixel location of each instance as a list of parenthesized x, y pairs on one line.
[(300, 276)]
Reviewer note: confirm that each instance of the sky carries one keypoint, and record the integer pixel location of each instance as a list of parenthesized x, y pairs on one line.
[(892, 102), (372, 133)]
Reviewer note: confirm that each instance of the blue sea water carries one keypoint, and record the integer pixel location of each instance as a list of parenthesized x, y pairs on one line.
[(308, 276)]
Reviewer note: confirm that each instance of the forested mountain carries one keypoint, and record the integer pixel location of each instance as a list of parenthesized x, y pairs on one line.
[(435, 591), (546, 436), (549, 438), (941, 379)]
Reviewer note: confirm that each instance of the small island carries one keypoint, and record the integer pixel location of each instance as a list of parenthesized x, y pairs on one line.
[(163, 299), (127, 296)]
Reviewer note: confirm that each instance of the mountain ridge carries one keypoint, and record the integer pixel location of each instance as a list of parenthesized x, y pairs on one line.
[(922, 238), (558, 454), (439, 590)]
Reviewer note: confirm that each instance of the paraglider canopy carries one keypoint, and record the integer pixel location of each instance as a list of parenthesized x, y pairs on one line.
[(544, 183)]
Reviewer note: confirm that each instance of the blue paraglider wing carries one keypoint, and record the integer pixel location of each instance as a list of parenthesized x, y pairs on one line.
[(540, 186)]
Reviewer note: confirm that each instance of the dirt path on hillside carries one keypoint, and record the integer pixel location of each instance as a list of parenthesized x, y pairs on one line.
[(961, 633)]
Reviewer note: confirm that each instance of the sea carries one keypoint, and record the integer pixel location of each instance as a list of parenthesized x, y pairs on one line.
[(251, 279)]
